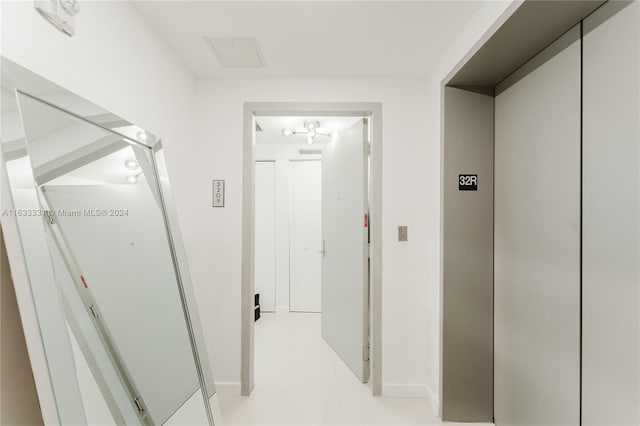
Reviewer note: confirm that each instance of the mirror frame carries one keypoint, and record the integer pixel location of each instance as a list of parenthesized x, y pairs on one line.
[(51, 357)]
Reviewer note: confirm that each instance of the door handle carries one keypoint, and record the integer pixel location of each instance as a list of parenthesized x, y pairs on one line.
[(322, 250)]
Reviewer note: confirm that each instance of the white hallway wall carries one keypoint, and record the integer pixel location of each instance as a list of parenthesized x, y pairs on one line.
[(411, 196), (410, 183), (133, 74)]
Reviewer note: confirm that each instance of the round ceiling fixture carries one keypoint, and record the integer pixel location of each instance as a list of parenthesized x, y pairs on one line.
[(311, 125), (310, 131), (131, 164), (142, 136)]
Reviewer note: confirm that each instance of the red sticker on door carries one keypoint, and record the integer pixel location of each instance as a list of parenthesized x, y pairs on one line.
[(366, 220), (83, 281)]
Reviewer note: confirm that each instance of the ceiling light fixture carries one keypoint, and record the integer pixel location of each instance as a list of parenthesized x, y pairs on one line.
[(142, 136), (311, 125), (132, 165), (310, 131)]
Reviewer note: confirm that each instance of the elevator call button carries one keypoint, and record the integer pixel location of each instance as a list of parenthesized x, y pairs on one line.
[(467, 182)]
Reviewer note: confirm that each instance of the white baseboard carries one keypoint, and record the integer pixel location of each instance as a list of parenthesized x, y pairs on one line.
[(229, 388), (404, 391), (413, 391), (282, 309), (433, 402)]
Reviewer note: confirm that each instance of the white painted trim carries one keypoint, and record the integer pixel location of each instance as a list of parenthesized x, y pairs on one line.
[(228, 388), (355, 109), (434, 404)]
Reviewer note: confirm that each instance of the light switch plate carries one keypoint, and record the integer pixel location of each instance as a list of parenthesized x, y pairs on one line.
[(218, 193), (403, 233)]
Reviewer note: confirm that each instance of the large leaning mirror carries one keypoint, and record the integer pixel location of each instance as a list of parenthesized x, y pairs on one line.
[(100, 241)]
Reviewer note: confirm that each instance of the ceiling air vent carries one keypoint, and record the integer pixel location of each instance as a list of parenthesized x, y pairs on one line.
[(310, 152), (237, 52)]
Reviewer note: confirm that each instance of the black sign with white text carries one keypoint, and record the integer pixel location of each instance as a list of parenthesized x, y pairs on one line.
[(467, 182)]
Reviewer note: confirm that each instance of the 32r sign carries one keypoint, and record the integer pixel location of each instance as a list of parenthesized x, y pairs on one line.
[(467, 182)]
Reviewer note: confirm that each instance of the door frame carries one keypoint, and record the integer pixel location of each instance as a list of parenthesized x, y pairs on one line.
[(275, 282), (251, 110)]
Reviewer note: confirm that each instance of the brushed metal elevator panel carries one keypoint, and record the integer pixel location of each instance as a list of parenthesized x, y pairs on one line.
[(467, 249), (611, 216), (537, 243)]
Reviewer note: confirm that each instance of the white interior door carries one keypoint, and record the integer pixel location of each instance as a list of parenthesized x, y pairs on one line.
[(265, 235), (305, 263), (345, 306)]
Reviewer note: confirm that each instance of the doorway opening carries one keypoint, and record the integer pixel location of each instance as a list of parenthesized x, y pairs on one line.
[(311, 232)]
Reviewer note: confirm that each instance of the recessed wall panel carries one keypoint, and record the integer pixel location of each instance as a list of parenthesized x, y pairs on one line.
[(467, 277)]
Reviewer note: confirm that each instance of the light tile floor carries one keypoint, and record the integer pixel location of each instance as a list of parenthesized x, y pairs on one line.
[(299, 380)]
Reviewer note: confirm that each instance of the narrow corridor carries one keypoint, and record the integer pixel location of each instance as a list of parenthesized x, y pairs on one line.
[(301, 381)]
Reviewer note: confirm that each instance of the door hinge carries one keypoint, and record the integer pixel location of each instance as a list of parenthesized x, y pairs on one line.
[(139, 406), (365, 353), (367, 148), (94, 311)]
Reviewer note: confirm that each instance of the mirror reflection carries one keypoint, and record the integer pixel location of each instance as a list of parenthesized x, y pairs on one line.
[(107, 235)]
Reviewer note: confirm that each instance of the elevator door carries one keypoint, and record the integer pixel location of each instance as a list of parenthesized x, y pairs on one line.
[(611, 216), (537, 240)]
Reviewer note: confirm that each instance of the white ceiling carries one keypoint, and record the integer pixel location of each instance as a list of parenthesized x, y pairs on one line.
[(314, 38), (272, 128)]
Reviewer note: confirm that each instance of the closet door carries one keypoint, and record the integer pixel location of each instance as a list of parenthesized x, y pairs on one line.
[(305, 264), (611, 216), (537, 240)]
